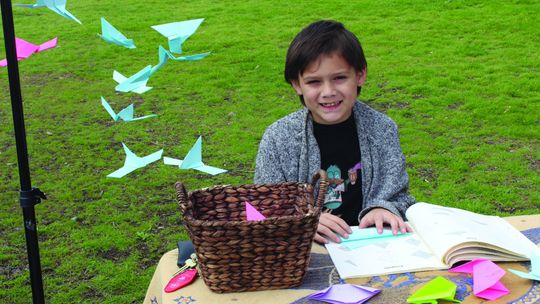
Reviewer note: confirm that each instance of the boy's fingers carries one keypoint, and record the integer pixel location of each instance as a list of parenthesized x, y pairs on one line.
[(379, 225), (331, 225), (322, 231), (319, 239), (408, 228)]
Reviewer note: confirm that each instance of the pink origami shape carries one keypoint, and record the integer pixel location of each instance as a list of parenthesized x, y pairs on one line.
[(252, 214), (486, 276), (25, 49), (345, 294)]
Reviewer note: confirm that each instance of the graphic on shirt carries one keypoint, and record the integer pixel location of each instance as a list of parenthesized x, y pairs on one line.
[(336, 185), (332, 199), (353, 172)]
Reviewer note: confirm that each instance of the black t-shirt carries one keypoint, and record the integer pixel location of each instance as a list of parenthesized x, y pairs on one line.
[(340, 157)]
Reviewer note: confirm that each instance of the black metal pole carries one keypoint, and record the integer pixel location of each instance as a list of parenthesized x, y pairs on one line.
[(28, 196)]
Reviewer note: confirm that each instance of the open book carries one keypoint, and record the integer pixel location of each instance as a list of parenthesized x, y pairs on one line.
[(442, 237)]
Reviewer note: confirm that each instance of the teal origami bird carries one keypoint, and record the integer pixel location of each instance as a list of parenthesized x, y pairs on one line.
[(110, 34), (125, 114), (57, 6), (178, 32), (134, 162), (193, 160)]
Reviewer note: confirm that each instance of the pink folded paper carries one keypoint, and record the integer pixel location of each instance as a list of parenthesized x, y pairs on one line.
[(252, 214), (25, 49), (486, 276)]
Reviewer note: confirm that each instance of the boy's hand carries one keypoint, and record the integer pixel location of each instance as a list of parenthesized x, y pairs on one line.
[(330, 226), (381, 216)]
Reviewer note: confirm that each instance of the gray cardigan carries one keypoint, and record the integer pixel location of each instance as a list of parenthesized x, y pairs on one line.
[(289, 152)]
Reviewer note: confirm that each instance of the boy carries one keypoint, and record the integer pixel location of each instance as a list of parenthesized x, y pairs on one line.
[(358, 146)]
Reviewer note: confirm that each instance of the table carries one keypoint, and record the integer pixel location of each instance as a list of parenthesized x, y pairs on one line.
[(321, 274)]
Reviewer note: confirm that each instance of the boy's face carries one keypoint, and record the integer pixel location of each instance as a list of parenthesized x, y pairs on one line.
[(329, 87)]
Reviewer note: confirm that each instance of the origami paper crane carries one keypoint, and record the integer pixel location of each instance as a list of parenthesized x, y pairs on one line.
[(366, 236), (193, 160), (436, 289), (345, 294), (486, 276), (165, 55), (57, 6), (25, 49), (135, 83), (252, 214), (534, 274), (178, 32), (134, 162), (110, 34), (125, 114)]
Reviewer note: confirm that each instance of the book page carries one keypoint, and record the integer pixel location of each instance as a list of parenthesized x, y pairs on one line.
[(387, 255), (446, 229)]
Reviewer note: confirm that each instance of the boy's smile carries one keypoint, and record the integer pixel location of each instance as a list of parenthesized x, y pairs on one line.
[(329, 87)]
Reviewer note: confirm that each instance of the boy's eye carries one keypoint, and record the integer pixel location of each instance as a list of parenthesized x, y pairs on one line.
[(341, 77), (312, 81)]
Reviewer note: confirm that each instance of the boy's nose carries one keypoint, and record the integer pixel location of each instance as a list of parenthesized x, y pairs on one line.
[(328, 89)]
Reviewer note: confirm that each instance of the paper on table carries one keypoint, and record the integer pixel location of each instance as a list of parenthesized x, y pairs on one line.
[(436, 289), (178, 32), (25, 48), (125, 114), (534, 274), (134, 162), (345, 294), (165, 55), (135, 83), (57, 6), (486, 276), (252, 214), (110, 34), (193, 160), (384, 256)]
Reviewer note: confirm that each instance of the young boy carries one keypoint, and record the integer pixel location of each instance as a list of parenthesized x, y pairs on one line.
[(357, 146)]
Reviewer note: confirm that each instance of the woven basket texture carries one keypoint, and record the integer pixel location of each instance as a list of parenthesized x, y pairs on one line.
[(239, 255)]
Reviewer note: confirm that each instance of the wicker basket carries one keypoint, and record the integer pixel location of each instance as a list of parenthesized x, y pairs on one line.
[(239, 255)]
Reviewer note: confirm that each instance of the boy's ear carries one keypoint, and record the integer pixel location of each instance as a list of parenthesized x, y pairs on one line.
[(296, 86), (362, 77)]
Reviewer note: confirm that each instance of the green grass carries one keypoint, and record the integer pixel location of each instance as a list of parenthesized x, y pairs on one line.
[(461, 79)]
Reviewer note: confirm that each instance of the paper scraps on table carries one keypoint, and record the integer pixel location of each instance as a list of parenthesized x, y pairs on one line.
[(135, 83), (345, 294), (125, 114), (534, 274), (486, 276), (164, 55), (367, 236), (25, 49), (57, 6), (134, 162), (434, 290), (110, 34), (252, 214), (193, 160), (178, 32)]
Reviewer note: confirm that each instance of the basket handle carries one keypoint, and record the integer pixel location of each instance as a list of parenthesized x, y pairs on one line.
[(323, 186), (182, 197)]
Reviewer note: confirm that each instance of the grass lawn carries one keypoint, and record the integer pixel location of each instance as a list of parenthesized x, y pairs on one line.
[(460, 78)]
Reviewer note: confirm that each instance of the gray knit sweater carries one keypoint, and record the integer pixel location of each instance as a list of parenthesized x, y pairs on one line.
[(289, 152)]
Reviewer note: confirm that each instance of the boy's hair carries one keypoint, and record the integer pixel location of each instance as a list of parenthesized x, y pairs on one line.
[(323, 37)]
